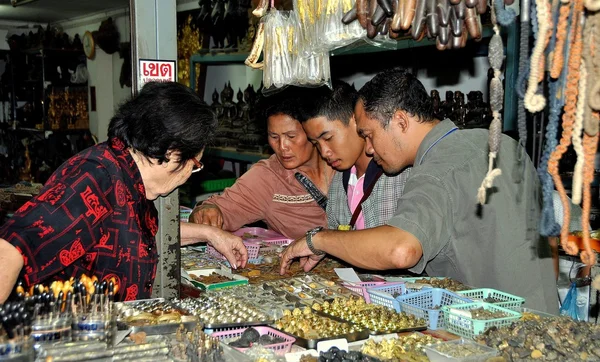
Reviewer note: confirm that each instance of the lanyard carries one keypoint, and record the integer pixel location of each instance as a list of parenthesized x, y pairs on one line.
[(435, 143), (313, 190), (366, 195)]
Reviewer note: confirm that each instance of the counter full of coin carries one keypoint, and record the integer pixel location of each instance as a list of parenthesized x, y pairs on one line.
[(255, 314)]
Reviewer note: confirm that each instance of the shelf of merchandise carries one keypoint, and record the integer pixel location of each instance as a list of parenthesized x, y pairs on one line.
[(511, 43)]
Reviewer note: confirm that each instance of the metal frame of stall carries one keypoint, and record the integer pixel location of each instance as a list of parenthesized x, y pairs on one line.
[(154, 36)]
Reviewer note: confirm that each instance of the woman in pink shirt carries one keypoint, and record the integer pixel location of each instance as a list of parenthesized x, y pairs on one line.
[(269, 190)]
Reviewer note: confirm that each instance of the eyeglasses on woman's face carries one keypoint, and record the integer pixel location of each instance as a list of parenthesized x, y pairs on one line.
[(198, 166)]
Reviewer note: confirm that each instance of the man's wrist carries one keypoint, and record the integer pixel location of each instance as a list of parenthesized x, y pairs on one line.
[(310, 241), (317, 241)]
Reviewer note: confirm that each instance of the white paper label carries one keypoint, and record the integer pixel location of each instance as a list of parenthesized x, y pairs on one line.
[(460, 318), (347, 274)]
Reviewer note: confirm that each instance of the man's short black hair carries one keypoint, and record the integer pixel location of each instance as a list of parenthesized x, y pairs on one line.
[(396, 89), (164, 117), (335, 104)]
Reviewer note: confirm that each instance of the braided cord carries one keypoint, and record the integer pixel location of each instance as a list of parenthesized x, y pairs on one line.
[(591, 39), (591, 121), (561, 38), (533, 17), (504, 16), (577, 137), (571, 93), (590, 145), (536, 102), (548, 225), (523, 55)]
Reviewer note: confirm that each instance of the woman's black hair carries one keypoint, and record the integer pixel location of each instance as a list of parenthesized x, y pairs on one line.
[(285, 102), (164, 117)]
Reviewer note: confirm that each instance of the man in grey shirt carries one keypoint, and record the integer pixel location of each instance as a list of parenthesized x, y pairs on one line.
[(439, 226)]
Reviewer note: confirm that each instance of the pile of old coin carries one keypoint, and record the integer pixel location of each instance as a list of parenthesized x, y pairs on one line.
[(149, 313), (306, 324), (213, 310), (485, 314), (377, 318), (548, 339), (443, 283), (212, 278), (404, 348)]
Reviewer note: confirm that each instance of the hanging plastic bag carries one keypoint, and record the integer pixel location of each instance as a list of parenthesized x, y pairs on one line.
[(313, 71), (280, 41), (311, 67), (569, 305), (333, 33), (308, 12)]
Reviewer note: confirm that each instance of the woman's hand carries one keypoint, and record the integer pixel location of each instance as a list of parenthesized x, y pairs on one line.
[(229, 245), (207, 214)]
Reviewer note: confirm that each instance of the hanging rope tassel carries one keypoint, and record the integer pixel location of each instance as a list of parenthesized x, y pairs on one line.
[(558, 60), (590, 144), (571, 92), (536, 102), (577, 137), (519, 170), (548, 225), (591, 37), (504, 16)]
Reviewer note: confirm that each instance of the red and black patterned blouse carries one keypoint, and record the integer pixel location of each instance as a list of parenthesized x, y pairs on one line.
[(91, 217)]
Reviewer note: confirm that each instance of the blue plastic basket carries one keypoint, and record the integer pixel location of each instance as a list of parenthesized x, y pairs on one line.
[(383, 295), (422, 304), (468, 327), (504, 300)]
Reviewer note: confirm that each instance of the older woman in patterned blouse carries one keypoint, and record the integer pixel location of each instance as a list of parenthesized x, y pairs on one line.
[(269, 190)]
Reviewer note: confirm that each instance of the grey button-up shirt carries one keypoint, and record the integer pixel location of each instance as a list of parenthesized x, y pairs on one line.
[(495, 246)]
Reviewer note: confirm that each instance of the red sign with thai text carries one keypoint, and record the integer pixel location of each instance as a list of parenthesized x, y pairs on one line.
[(157, 71)]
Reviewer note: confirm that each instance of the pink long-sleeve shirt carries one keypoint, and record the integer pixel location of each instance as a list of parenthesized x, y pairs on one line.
[(269, 192)]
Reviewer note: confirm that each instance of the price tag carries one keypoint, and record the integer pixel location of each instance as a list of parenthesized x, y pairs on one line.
[(460, 318), (347, 274), (340, 343)]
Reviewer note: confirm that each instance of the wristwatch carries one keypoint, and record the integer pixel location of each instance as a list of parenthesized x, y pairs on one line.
[(309, 234)]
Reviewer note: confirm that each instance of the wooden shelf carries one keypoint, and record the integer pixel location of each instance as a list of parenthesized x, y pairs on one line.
[(360, 47), (219, 58), (232, 154)]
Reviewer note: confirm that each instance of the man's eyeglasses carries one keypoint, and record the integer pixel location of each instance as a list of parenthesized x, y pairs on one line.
[(198, 166)]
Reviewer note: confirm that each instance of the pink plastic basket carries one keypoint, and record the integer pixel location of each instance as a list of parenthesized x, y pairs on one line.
[(252, 247), (361, 288), (279, 348), (263, 235)]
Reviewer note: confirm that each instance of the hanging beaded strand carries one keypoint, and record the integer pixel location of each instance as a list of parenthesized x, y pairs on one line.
[(496, 58)]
